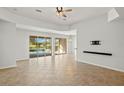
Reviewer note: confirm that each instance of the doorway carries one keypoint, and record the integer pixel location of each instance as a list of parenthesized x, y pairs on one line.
[(60, 46)]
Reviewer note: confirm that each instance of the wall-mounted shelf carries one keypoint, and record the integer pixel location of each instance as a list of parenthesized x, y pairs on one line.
[(99, 53)]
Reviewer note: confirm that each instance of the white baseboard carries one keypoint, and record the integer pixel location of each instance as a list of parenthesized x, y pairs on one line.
[(103, 66), (21, 60), (8, 67)]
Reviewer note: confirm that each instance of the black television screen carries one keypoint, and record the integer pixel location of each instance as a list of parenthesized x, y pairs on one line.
[(95, 42)]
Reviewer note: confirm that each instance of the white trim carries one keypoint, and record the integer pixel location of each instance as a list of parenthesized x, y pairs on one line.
[(103, 66), (22, 59), (8, 67), (34, 28)]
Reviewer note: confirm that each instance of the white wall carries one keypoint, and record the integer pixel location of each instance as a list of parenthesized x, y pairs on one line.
[(22, 45), (7, 44), (22, 41), (111, 36), (69, 44), (72, 44)]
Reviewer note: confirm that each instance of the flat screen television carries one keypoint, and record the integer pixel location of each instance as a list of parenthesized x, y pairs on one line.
[(95, 42)]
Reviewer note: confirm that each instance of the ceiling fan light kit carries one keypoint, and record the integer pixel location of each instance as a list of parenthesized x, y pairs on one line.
[(61, 12)]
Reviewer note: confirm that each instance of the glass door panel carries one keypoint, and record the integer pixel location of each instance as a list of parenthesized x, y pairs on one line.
[(40, 46), (48, 49), (60, 46), (33, 47)]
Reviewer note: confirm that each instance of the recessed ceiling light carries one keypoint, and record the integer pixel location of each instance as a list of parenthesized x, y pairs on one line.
[(38, 10), (15, 9)]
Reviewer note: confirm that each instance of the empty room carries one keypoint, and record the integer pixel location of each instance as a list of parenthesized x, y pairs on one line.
[(61, 46)]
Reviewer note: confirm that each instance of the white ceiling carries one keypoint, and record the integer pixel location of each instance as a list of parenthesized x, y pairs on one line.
[(48, 14)]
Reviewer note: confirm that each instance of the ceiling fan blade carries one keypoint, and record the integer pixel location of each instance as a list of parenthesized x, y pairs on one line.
[(68, 10), (62, 14)]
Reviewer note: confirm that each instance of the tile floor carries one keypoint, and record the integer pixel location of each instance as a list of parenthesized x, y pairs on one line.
[(62, 70)]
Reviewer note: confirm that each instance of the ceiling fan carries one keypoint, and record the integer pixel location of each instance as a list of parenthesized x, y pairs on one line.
[(61, 12)]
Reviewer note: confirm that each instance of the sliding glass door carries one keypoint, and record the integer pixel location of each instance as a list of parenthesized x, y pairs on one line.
[(40, 46)]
